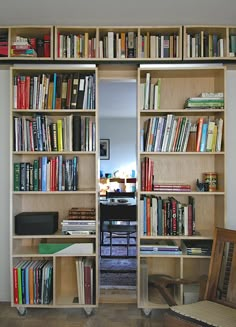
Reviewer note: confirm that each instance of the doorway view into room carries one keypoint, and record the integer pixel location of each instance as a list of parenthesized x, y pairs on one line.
[(117, 122)]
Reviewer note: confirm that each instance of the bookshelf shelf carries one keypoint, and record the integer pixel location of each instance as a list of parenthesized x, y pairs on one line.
[(56, 180), (67, 44), (177, 214)]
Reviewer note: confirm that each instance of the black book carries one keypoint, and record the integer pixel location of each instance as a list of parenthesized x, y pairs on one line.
[(81, 91), (74, 90), (76, 133), (40, 47)]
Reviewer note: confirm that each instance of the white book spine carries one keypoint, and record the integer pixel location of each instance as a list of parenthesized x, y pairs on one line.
[(110, 44)]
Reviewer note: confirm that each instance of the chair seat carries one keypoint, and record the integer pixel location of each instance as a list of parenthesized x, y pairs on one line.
[(210, 313), (112, 228)]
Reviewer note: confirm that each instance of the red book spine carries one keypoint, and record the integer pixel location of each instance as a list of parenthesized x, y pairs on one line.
[(46, 46), (27, 92), (143, 175), (15, 285), (22, 92), (18, 93)]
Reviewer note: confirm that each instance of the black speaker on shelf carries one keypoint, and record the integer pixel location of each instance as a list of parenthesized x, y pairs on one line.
[(36, 223)]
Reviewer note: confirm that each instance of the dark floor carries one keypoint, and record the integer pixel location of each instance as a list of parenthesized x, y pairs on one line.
[(106, 315)]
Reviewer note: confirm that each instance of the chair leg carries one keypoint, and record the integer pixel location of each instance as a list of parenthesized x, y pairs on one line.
[(128, 239), (110, 244)]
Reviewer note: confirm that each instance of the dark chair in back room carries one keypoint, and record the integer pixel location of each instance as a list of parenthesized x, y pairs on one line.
[(118, 218)]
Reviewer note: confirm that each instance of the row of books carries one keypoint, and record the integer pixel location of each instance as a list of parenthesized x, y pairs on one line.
[(47, 174), (54, 91), (150, 93), (118, 45), (33, 282), (41, 133), (159, 45), (85, 275), (166, 216), (31, 47), (204, 44), (178, 134), (147, 174), (73, 45), (169, 247)]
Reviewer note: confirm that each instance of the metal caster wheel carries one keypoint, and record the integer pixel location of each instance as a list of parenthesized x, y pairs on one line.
[(88, 311), (147, 312), (21, 311)]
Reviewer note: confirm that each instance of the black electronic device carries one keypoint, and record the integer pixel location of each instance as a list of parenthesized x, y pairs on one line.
[(36, 223)]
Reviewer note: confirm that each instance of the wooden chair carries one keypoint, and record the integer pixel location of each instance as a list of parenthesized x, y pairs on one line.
[(121, 212), (218, 306)]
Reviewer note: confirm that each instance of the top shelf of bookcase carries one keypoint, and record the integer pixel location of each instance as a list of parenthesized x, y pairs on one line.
[(191, 43)]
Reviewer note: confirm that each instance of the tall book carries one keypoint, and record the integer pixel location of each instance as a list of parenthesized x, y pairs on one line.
[(74, 90)]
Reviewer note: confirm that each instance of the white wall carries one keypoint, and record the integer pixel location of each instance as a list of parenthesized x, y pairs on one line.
[(231, 149), (122, 135), (118, 12), (4, 184)]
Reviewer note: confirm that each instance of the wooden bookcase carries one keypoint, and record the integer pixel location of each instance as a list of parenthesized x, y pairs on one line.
[(176, 85), (196, 41), (37, 39), (125, 43), (85, 195)]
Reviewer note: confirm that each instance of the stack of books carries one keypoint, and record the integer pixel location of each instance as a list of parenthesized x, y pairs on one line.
[(78, 227), (82, 213), (206, 100), (171, 187), (197, 247), (163, 247)]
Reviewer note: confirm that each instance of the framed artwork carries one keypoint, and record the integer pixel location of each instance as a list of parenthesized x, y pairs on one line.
[(104, 149)]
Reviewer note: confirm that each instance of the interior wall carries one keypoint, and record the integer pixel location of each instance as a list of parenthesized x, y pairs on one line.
[(230, 149), (4, 184), (122, 135)]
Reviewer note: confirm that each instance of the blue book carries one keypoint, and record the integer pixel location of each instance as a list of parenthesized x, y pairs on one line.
[(203, 137), (54, 90), (144, 216), (44, 161)]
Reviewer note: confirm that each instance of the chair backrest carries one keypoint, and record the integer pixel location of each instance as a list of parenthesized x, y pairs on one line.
[(221, 282), (115, 195)]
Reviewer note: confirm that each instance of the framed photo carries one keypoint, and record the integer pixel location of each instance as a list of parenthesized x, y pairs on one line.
[(104, 149)]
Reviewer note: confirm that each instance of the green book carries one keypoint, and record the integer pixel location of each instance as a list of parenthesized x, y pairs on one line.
[(16, 176), (36, 175)]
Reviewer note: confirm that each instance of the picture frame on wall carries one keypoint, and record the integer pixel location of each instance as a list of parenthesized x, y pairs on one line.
[(104, 149)]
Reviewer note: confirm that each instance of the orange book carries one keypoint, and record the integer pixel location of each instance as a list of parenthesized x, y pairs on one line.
[(123, 41), (199, 132)]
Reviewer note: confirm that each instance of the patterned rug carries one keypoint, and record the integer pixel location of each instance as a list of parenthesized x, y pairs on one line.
[(115, 272)]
